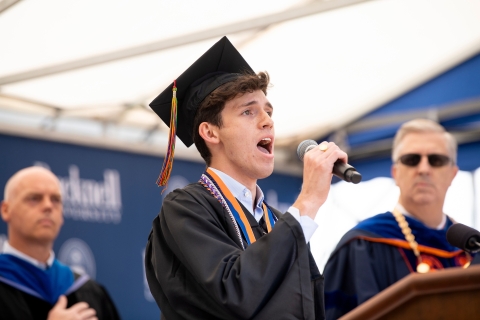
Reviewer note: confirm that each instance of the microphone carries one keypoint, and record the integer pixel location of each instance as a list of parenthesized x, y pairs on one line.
[(340, 169), (464, 237)]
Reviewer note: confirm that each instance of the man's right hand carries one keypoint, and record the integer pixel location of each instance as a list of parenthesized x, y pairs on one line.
[(79, 311), (317, 177)]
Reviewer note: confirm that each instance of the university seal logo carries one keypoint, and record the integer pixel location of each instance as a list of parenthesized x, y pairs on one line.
[(77, 255)]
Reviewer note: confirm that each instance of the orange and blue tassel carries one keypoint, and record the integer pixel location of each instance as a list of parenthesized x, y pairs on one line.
[(168, 161)]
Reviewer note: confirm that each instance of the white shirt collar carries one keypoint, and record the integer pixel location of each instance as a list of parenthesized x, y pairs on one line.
[(8, 249), (406, 213), (243, 194)]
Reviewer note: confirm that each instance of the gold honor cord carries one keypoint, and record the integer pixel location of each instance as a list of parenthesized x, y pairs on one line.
[(267, 218), (422, 267)]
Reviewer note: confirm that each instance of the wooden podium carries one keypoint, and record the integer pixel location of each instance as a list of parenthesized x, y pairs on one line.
[(452, 293)]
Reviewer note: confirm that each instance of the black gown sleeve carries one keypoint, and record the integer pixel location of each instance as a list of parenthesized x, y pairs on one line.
[(97, 298), (17, 305)]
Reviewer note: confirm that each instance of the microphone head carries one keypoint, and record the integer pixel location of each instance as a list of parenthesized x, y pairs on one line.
[(353, 176), (460, 236), (304, 147)]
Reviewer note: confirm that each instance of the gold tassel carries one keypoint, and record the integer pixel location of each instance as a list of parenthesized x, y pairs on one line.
[(168, 161)]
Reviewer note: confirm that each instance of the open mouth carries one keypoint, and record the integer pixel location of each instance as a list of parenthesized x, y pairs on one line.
[(265, 145)]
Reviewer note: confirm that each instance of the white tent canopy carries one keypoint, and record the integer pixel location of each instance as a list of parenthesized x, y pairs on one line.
[(77, 70)]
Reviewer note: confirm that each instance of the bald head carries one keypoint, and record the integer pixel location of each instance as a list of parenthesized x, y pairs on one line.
[(22, 177), (32, 209)]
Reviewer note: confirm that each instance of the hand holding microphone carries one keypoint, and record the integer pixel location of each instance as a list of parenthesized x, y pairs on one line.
[(319, 165), (340, 169)]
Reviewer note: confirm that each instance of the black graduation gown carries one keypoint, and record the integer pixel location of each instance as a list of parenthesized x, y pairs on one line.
[(18, 305), (197, 269)]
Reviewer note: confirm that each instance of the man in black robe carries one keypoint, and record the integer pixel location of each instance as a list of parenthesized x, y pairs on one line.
[(33, 284), (378, 252), (216, 250)]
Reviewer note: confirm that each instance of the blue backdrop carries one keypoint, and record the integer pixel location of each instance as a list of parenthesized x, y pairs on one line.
[(110, 200), (460, 83)]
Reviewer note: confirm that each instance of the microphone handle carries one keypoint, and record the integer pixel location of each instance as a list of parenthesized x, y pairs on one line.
[(340, 169), (346, 172)]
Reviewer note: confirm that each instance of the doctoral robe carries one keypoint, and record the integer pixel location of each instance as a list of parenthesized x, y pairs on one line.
[(197, 269), (22, 299), (374, 255)]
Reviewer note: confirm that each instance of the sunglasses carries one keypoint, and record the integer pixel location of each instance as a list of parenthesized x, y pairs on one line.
[(435, 160)]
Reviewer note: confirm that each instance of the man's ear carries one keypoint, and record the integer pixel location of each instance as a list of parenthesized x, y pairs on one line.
[(208, 132), (393, 172), (453, 173), (4, 209)]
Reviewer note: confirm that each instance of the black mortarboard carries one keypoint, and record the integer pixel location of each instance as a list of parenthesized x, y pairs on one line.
[(217, 66), (222, 63)]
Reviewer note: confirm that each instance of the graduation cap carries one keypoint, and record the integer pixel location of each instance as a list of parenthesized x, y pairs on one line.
[(179, 102)]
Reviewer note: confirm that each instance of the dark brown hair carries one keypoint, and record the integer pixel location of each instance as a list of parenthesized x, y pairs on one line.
[(212, 106)]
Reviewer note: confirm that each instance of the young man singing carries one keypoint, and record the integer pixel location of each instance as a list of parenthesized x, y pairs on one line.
[(217, 250)]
